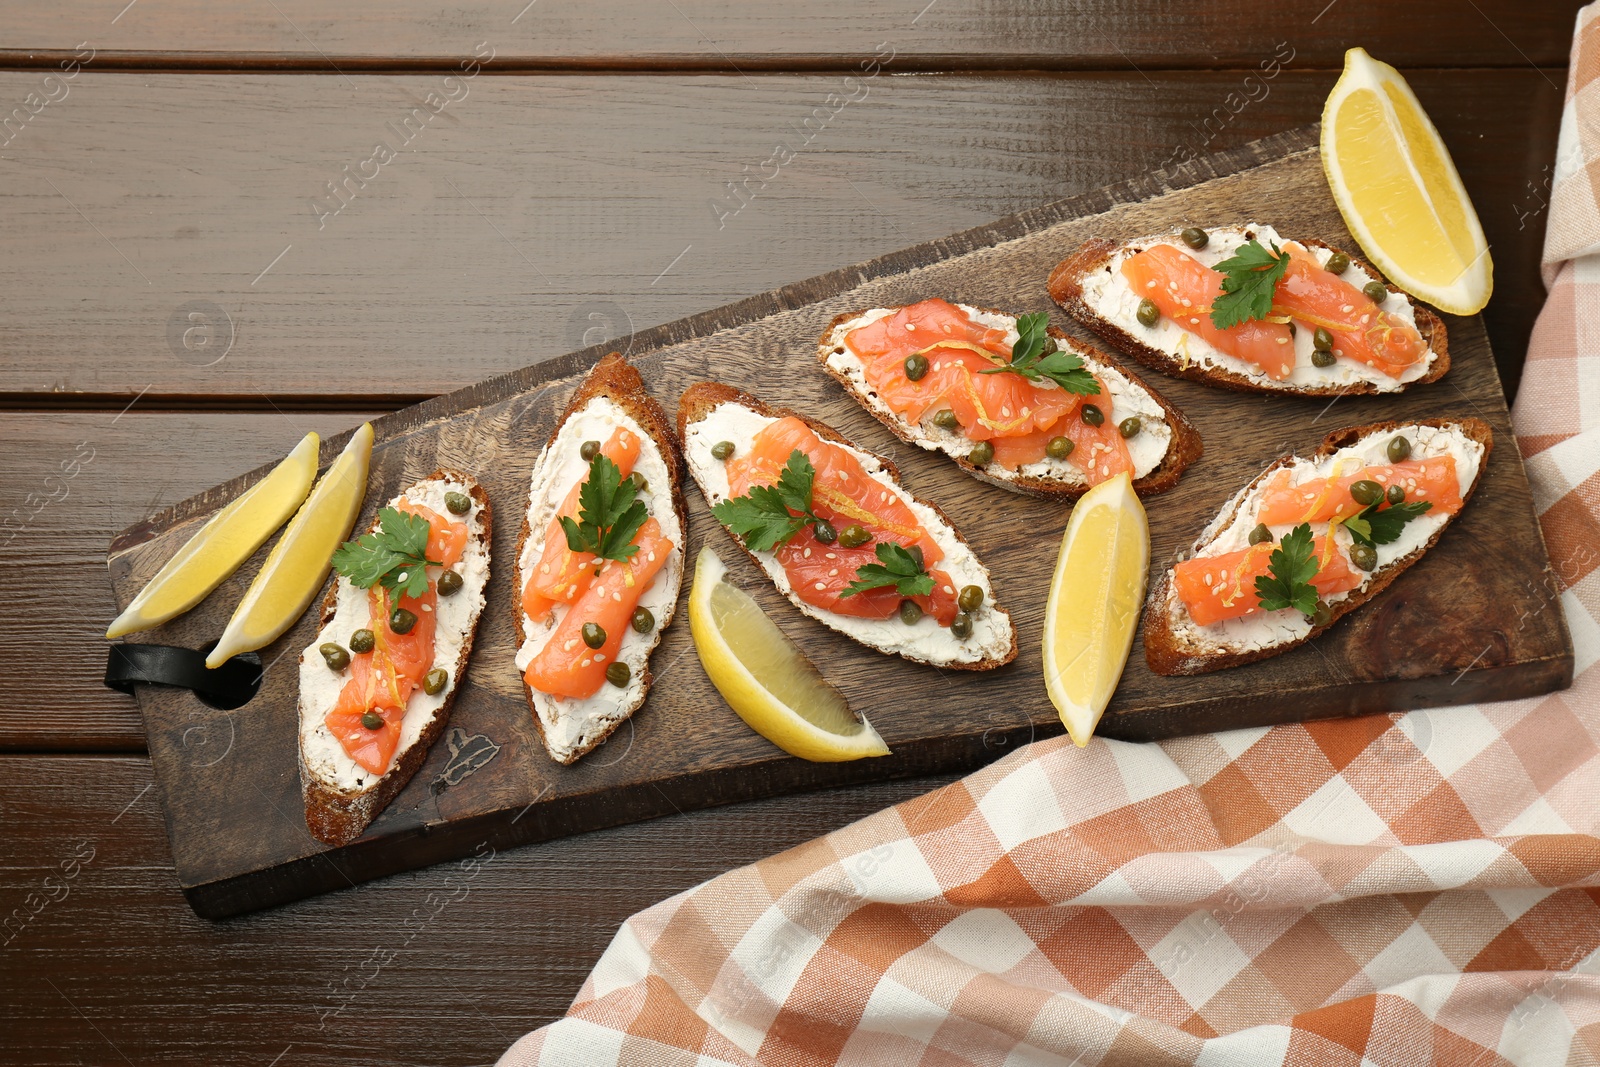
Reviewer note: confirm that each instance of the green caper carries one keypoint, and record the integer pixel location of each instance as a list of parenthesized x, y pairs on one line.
[(450, 583), (594, 635), (1322, 616), (916, 366), (1130, 426), (588, 450), (434, 681), (1059, 447), (854, 535), (1376, 292), (1319, 358), (982, 454), (1399, 449), (910, 612), (362, 641), (824, 532), (401, 620), (335, 656), (642, 621), (1322, 340), (1196, 238), (372, 720), (722, 450), (458, 503), (1093, 415), (619, 674), (1364, 556), (915, 552), (640, 483), (961, 626), (1366, 492), (946, 419), (1260, 535), (1396, 494), (971, 598), (1148, 314), (1337, 263)]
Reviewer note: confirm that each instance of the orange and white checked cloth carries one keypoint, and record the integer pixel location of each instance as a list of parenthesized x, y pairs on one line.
[(1412, 889)]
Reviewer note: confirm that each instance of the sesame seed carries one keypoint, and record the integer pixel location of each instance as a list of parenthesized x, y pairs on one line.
[(821, 586), (1348, 308), (427, 607), (544, 568), (616, 597), (1194, 322), (567, 645), (1186, 302), (599, 657), (585, 661), (830, 555), (833, 572), (911, 327), (1283, 340)]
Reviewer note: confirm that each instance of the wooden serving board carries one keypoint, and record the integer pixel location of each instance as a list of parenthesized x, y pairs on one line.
[(1475, 620)]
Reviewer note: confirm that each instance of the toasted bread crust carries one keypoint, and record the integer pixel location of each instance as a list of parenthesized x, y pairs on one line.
[(1164, 651), (700, 399), (337, 817), (1066, 288), (614, 378), (1183, 450)]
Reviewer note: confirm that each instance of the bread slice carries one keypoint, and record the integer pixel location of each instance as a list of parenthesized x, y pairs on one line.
[(612, 395), (1174, 644), (1089, 288), (1167, 442), (710, 412), (341, 797)]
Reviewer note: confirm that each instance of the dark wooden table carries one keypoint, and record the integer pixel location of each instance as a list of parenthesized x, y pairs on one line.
[(192, 278)]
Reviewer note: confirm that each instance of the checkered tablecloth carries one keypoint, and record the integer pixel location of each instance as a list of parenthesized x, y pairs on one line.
[(1395, 890)]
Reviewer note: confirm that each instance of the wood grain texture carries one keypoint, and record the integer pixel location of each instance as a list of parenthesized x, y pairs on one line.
[(943, 35), (437, 966), (1479, 594), (541, 213)]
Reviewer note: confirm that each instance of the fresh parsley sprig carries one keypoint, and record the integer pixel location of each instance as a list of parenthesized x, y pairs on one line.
[(1250, 276), (1374, 527), (395, 555), (608, 514), (1036, 356), (1291, 568), (771, 515), (898, 567)]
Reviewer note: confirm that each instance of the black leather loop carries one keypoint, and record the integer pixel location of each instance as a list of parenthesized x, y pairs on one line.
[(229, 686)]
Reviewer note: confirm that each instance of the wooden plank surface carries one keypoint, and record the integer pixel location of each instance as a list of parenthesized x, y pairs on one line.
[(152, 220)]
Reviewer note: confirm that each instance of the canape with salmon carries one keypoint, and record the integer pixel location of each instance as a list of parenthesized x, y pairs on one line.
[(1012, 400), (599, 562), (378, 680), (836, 532), (1310, 540), (1243, 307)]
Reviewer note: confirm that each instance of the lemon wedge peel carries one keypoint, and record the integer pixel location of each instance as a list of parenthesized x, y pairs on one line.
[(790, 704)]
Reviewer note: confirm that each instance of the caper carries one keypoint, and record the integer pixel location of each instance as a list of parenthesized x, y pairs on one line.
[(362, 641), (722, 450), (1364, 556), (961, 626), (915, 552), (1319, 358), (1148, 314), (1059, 447), (588, 450), (458, 503), (434, 681), (372, 720), (1322, 340), (618, 674), (1260, 535), (335, 656), (1292, 330), (642, 621), (916, 366), (824, 532), (450, 583), (1093, 415), (1322, 616), (1399, 449), (594, 635), (1196, 238), (1130, 426), (401, 621), (1337, 263), (854, 535), (971, 598), (1376, 292), (910, 612), (981, 455), (946, 419), (1366, 491), (1396, 494), (640, 483)]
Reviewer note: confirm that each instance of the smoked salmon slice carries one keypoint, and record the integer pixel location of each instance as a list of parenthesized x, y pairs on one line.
[(1216, 588), (1360, 329), (818, 574), (1432, 481), (384, 679), (561, 575)]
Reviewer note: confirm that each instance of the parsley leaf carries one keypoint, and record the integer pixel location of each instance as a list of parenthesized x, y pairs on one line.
[(1374, 527), (394, 555), (899, 567), (1036, 356), (764, 517), (609, 514), (1250, 276), (1291, 568)]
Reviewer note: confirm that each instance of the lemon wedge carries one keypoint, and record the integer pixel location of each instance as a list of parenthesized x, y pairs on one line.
[(229, 538), (766, 679), (1400, 195), (1095, 597), (298, 563)]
